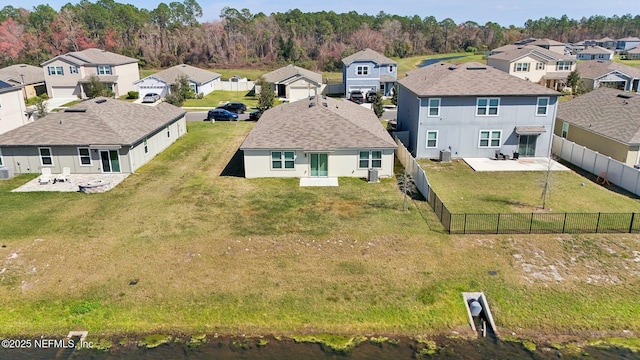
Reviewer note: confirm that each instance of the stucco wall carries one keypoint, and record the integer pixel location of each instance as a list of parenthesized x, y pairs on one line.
[(12, 110)]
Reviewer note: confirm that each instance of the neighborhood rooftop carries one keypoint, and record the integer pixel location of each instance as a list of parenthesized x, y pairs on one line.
[(469, 79), (368, 54), (100, 121), (290, 71), (172, 74), (93, 56), (19, 72), (321, 123), (517, 52), (596, 68)]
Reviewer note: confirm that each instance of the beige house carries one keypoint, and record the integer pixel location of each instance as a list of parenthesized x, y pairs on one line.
[(65, 74), (95, 136), (294, 83), (29, 77), (13, 112), (595, 74), (318, 137), (535, 64), (604, 120)]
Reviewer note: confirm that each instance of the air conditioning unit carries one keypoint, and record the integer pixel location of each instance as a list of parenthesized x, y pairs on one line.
[(372, 176), (6, 172), (637, 166), (445, 155)]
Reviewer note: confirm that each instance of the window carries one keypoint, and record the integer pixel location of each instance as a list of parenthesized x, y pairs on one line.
[(104, 69), (146, 148), (55, 70), (563, 65), (278, 158), (540, 66), (370, 159), (168, 132), (432, 139), (543, 104), (45, 156), (362, 70), (490, 138), (433, 107), (193, 87), (520, 67), (85, 156), (487, 106), (1, 162), (73, 69), (565, 129)]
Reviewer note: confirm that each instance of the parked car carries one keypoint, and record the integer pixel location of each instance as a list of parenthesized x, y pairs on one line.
[(356, 96), (236, 107), (221, 114), (255, 115), (150, 98), (371, 96)]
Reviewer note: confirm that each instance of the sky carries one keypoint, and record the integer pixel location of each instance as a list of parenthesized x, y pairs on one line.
[(503, 12)]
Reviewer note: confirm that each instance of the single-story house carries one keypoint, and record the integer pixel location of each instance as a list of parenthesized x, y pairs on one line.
[(201, 81), (13, 112), (597, 73), (604, 120), (29, 77), (294, 83), (95, 136), (318, 137), (595, 53), (633, 54)]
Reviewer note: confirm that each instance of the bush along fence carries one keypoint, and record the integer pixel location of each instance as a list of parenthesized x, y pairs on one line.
[(516, 223)]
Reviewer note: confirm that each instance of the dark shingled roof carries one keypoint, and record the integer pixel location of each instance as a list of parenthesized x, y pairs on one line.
[(596, 68), (99, 121), (368, 54), (5, 87), (604, 112), (287, 72), (469, 79), (340, 125), (93, 56)]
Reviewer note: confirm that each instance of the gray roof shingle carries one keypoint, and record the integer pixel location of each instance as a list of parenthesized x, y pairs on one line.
[(108, 122), (192, 73), (595, 50), (532, 50), (32, 74), (596, 68), (368, 54), (469, 79), (604, 112), (286, 72), (340, 125), (93, 56)]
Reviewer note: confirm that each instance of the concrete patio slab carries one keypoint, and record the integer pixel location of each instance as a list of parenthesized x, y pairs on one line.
[(74, 183), (319, 181), (522, 164)]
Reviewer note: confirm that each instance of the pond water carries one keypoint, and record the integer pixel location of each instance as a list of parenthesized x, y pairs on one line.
[(231, 348), (432, 61)]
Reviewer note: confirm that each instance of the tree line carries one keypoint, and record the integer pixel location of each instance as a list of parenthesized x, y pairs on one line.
[(171, 34)]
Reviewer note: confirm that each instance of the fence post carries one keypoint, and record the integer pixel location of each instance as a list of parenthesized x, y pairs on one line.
[(598, 223), (633, 215), (564, 223), (498, 225), (531, 224), (464, 226)]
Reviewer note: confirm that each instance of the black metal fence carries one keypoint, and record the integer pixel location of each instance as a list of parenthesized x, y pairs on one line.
[(534, 223)]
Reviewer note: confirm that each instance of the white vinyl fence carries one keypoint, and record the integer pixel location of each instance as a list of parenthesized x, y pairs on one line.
[(228, 85), (616, 172), (412, 168)]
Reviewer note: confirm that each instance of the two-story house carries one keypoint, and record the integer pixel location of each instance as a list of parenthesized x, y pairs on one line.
[(535, 64), (595, 53), (607, 43), (549, 44), (65, 74), (474, 110), (13, 112), (369, 70)]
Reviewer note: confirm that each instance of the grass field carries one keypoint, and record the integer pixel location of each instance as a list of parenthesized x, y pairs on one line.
[(177, 247)]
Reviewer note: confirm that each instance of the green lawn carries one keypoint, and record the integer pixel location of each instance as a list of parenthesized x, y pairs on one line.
[(217, 98), (463, 190), (179, 247)]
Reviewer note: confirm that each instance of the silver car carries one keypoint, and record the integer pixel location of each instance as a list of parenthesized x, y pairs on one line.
[(150, 98)]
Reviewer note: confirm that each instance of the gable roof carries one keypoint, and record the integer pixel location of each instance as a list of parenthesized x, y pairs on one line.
[(172, 74), (531, 50), (286, 72), (339, 125), (604, 112), (101, 121), (368, 54), (597, 68), (507, 47), (32, 74), (93, 56), (469, 79), (595, 50), (546, 42)]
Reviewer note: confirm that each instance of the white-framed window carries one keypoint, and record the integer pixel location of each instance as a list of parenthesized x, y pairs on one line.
[(542, 106), (490, 138), (84, 154), (192, 86), (565, 129), (433, 107), (362, 70), (540, 66), (168, 132), (370, 159), (487, 106), (45, 156), (283, 159), (73, 69), (55, 70), (521, 67), (563, 65), (146, 147), (104, 69), (432, 139)]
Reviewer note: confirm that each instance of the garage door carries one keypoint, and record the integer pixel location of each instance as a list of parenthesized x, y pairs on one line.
[(297, 93), (67, 92), (144, 90)]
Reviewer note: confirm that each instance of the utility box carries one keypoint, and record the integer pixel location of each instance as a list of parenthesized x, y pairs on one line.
[(373, 176), (445, 155), (6, 172)]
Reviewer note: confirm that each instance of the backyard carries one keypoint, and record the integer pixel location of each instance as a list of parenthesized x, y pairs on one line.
[(184, 246)]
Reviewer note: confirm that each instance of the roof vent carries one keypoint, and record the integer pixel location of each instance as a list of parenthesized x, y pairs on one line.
[(312, 104), (325, 104), (312, 97), (625, 96), (477, 68), (100, 101), (76, 110), (452, 67)]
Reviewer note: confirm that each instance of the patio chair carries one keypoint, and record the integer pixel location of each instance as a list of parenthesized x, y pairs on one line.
[(66, 172), (45, 178)]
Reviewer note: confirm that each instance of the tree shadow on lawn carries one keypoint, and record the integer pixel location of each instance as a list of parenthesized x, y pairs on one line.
[(235, 166)]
